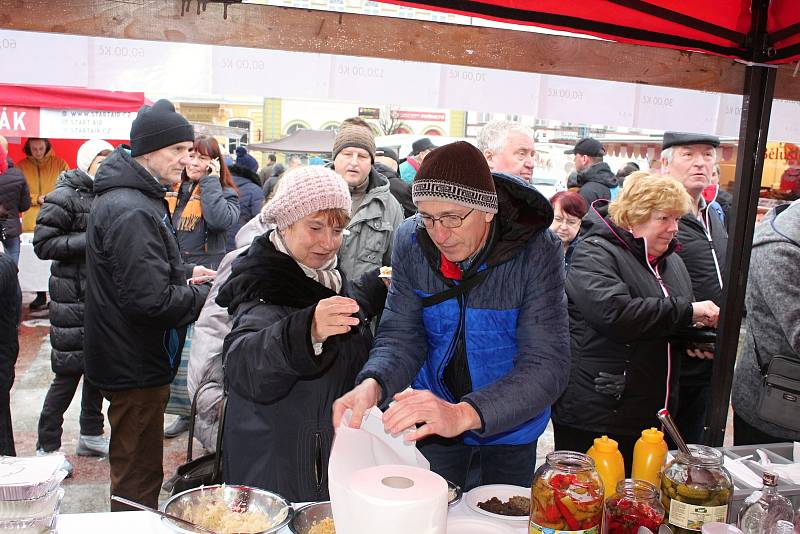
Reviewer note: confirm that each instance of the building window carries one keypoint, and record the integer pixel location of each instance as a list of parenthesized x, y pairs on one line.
[(296, 125), (332, 126), (484, 117), (433, 130), (233, 142)]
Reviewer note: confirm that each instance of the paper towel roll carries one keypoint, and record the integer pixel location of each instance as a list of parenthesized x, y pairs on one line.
[(393, 499)]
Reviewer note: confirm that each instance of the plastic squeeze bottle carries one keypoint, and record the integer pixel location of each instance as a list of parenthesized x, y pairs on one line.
[(649, 454), (608, 462)]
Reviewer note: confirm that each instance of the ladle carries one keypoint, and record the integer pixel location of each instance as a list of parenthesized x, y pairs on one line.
[(672, 430)]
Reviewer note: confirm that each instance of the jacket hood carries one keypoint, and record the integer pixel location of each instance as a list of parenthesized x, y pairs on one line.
[(600, 173), (244, 172), (120, 170), (75, 179), (385, 171), (779, 224), (596, 223)]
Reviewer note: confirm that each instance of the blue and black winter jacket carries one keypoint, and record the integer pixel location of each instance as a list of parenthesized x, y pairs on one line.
[(502, 344)]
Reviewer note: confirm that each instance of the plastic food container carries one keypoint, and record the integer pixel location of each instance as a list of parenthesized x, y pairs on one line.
[(695, 490), (567, 495), (35, 525)]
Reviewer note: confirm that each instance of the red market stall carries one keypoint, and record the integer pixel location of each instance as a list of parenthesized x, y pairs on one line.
[(67, 116)]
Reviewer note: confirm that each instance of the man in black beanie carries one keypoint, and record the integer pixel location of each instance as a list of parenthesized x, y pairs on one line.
[(476, 321), (138, 303)]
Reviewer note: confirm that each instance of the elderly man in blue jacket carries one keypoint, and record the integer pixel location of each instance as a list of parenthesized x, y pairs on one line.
[(476, 322)]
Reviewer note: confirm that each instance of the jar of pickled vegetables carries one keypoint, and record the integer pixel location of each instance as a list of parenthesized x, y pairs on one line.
[(634, 505), (696, 489), (566, 495)]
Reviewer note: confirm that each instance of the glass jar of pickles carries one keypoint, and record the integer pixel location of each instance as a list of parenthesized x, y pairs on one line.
[(634, 505), (696, 489), (566, 495)]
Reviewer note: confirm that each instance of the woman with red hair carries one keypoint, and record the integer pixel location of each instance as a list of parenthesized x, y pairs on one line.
[(569, 208), (204, 205)]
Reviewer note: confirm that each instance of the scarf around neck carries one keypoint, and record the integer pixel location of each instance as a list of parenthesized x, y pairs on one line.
[(327, 275), (192, 212)]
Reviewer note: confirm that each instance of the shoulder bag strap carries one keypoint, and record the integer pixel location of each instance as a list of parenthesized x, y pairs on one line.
[(218, 456), (761, 366), (464, 287), (193, 416)]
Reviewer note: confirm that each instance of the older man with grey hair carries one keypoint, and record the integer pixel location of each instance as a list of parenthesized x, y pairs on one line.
[(508, 147), (690, 159)]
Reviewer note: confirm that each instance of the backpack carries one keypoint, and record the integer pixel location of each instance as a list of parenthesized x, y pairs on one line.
[(614, 191)]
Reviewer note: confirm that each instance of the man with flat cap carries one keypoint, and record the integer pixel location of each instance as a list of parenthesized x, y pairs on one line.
[(690, 159), (475, 322), (595, 178), (419, 149), (138, 303)]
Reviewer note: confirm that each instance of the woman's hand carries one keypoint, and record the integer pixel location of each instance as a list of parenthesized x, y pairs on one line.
[(213, 167), (333, 316), (705, 313)]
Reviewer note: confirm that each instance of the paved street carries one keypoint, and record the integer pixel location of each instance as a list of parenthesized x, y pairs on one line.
[(88, 489)]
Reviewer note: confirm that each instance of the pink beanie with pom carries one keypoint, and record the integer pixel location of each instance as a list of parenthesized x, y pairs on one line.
[(304, 191)]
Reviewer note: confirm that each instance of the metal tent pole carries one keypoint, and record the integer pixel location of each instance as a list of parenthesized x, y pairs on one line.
[(756, 107)]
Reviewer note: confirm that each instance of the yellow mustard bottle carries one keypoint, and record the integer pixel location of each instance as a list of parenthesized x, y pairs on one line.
[(649, 454), (608, 462)]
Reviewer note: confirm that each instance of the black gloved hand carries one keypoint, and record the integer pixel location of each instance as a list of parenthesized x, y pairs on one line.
[(608, 384)]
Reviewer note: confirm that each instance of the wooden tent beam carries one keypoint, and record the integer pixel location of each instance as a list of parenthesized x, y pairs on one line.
[(302, 30)]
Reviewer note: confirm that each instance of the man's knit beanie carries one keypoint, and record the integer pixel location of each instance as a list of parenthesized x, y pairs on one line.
[(354, 136), (456, 173), (303, 191), (158, 126)]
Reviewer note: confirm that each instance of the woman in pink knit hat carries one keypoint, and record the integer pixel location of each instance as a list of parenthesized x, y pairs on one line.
[(300, 336)]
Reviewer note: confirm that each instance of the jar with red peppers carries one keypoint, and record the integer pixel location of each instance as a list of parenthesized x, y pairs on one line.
[(635, 504), (566, 495)]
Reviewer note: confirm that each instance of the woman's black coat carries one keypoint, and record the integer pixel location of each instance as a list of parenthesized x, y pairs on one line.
[(620, 324), (60, 235), (278, 428)]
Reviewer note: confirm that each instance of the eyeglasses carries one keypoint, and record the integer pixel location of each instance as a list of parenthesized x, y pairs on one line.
[(569, 222), (448, 221)]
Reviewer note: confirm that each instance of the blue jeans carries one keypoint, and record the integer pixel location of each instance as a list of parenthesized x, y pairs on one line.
[(498, 464), (12, 247)]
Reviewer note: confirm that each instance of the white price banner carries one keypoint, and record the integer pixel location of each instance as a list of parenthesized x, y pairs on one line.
[(586, 101), (729, 116), (384, 81), (784, 122), (270, 73), (43, 59), (473, 88), (683, 110), (153, 67)]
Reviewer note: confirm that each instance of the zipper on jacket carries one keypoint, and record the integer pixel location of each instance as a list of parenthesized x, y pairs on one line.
[(657, 274), (707, 230), (318, 467), (451, 350)]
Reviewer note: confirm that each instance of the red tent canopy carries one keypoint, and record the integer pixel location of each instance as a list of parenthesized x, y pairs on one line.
[(49, 96), (718, 26)]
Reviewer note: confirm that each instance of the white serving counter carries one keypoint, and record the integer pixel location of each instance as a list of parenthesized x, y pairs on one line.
[(147, 523)]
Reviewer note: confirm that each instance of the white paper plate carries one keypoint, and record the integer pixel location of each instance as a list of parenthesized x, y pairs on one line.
[(477, 525), (502, 492)]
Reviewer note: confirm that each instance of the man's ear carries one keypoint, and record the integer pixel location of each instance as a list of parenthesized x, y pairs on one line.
[(488, 154), (488, 217)]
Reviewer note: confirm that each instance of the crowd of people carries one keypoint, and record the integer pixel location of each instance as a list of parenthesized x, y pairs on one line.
[(182, 273)]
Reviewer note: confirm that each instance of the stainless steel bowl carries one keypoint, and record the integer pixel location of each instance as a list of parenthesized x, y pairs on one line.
[(305, 516), (454, 493), (243, 498)]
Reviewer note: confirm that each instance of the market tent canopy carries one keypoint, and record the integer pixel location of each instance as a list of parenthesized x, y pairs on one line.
[(49, 96), (721, 27), (301, 141)]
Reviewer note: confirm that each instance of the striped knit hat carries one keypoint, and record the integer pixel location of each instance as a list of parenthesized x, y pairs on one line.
[(303, 191), (456, 173)]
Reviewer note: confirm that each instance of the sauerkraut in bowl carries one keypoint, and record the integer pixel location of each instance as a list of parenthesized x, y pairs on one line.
[(229, 509)]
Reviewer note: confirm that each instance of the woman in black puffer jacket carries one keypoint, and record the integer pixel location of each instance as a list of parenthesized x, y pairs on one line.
[(60, 236)]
